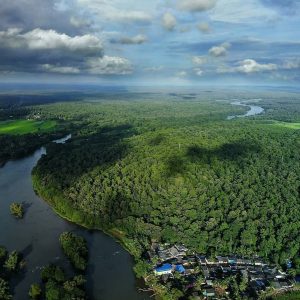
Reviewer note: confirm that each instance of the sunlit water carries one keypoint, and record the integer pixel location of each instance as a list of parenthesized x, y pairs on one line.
[(254, 110)]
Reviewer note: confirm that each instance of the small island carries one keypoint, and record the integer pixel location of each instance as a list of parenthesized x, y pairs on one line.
[(35, 291), (75, 248), (58, 286), (10, 264), (17, 210), (56, 282)]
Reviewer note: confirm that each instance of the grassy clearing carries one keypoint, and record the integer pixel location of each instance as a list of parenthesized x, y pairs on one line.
[(18, 127), (286, 125)]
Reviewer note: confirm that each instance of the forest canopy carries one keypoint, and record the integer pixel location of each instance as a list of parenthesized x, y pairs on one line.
[(176, 170)]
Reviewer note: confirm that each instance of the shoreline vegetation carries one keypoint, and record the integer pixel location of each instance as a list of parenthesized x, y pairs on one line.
[(68, 213), (54, 282), (153, 288), (16, 147)]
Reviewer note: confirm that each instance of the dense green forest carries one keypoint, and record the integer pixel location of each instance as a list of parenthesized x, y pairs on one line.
[(172, 168)]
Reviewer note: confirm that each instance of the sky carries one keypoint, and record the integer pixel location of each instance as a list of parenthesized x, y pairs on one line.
[(151, 42)]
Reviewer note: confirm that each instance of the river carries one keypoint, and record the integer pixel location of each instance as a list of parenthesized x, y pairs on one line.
[(254, 110), (109, 273)]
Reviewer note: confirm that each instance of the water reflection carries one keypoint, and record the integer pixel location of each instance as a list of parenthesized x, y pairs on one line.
[(109, 271)]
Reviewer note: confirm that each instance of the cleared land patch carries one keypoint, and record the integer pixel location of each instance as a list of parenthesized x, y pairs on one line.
[(286, 125), (17, 127)]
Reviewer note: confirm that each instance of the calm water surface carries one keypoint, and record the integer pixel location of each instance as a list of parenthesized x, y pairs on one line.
[(254, 110), (109, 272)]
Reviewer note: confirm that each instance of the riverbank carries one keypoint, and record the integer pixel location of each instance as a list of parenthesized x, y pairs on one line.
[(64, 210), (68, 213), (14, 147), (109, 272)]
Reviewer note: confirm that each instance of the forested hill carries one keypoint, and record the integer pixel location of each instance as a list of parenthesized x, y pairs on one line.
[(177, 170)]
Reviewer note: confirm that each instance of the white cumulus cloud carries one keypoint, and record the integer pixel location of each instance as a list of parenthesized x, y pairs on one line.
[(169, 21), (251, 66), (60, 69), (39, 39), (199, 60), (109, 65), (248, 66), (220, 50)]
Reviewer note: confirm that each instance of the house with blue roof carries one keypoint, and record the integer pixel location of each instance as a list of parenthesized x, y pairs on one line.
[(180, 269), (164, 269)]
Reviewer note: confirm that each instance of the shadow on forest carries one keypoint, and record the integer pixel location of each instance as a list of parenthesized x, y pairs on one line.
[(234, 152), (175, 165), (68, 162), (157, 140), (229, 151)]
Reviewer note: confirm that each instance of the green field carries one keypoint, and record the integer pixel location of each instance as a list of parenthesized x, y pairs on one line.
[(286, 125), (17, 127)]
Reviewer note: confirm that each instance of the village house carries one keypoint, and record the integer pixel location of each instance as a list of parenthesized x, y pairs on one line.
[(222, 260), (243, 262), (210, 261), (232, 260), (209, 292), (166, 252), (259, 262), (282, 285), (257, 286), (174, 259), (280, 275), (226, 270), (206, 272), (164, 269), (201, 259), (256, 276)]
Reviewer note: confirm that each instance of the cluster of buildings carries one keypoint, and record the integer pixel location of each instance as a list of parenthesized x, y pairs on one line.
[(172, 259)]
